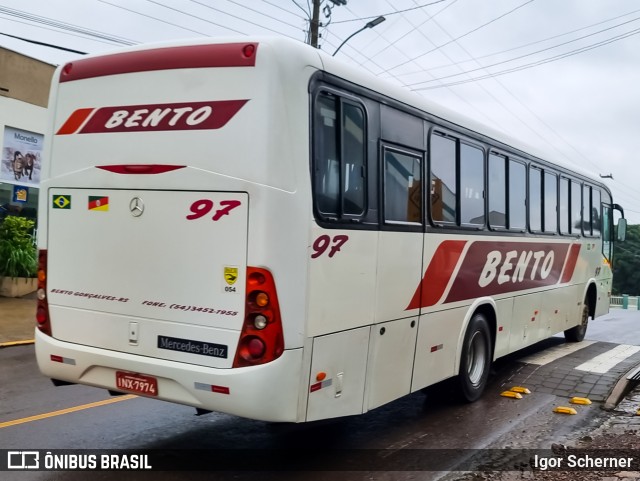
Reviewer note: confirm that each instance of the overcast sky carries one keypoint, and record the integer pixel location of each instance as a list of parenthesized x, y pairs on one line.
[(563, 75)]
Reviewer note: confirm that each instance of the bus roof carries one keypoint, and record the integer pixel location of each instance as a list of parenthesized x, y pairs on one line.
[(290, 48)]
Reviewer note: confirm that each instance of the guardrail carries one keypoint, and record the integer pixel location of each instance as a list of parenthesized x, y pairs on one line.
[(625, 302)]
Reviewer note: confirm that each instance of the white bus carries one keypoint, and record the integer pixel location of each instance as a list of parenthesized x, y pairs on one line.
[(256, 228)]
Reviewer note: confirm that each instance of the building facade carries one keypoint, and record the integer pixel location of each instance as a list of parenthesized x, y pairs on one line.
[(24, 94)]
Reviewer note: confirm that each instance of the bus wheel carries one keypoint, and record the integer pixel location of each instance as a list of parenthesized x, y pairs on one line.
[(475, 360), (577, 333)]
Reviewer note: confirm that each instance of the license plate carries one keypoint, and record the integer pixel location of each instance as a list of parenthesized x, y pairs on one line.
[(137, 383)]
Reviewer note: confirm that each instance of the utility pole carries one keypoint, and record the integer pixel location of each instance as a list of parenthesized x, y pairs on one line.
[(315, 23)]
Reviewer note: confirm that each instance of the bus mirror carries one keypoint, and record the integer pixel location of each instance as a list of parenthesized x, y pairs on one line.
[(622, 229)]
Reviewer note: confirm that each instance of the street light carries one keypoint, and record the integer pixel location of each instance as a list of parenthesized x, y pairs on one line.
[(371, 24)]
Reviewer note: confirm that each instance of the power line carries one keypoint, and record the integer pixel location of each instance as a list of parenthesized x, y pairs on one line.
[(392, 13), (264, 14), (194, 16), (223, 12), (64, 26), (535, 64), (56, 31), (439, 67), (597, 44), (307, 13), (164, 21), (284, 10), (461, 36), (414, 29), (35, 42)]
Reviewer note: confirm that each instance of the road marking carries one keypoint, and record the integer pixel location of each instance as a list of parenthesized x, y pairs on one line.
[(17, 343), (607, 360), (67, 411), (555, 352)]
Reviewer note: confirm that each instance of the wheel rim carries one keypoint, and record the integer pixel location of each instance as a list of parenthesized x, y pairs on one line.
[(476, 358)]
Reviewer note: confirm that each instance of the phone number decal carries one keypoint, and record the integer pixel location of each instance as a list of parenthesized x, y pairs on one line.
[(186, 308)]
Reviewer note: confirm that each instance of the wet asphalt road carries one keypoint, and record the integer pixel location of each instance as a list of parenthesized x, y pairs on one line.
[(416, 422)]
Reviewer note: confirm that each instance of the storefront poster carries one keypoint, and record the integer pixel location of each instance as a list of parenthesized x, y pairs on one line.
[(20, 194), (21, 157)]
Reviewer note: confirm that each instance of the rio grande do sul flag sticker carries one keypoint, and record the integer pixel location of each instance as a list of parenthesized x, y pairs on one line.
[(99, 203)]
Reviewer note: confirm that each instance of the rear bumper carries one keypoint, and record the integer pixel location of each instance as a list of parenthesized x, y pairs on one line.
[(268, 392)]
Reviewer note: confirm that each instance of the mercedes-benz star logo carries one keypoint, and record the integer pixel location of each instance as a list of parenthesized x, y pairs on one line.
[(136, 207)]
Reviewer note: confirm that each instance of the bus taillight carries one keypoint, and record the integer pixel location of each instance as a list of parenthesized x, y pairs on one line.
[(261, 339), (42, 310)]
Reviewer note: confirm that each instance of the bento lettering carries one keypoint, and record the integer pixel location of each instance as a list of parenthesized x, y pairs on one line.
[(208, 115), (145, 118), (508, 269)]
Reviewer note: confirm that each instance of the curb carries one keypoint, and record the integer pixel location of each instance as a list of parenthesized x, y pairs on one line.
[(624, 385), (17, 343)]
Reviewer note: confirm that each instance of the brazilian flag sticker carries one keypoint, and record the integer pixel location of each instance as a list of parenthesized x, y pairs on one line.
[(61, 202)]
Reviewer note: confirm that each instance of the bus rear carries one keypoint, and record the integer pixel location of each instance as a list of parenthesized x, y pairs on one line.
[(160, 267)]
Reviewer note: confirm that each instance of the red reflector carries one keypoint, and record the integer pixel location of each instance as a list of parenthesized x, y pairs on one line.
[(55, 358), (249, 50), (140, 168), (67, 68), (256, 347), (220, 389), (41, 315), (315, 387)]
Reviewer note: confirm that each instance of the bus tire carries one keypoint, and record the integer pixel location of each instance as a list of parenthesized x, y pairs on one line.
[(577, 333), (475, 359)]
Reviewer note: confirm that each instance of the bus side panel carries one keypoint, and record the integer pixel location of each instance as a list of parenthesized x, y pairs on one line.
[(525, 322), (338, 372), (391, 356), (342, 276), (569, 305), (604, 292), (436, 346), (399, 274), (558, 311), (504, 316)]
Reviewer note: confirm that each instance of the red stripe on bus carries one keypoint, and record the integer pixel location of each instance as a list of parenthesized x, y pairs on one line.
[(436, 278), (75, 121), (570, 265), (140, 168), (168, 58)]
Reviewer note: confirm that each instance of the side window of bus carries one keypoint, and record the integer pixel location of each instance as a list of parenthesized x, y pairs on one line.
[(550, 203), (586, 210), (596, 213), (471, 185), (497, 191), (444, 203), (402, 187), (576, 208), (339, 157), (535, 199), (517, 195), (457, 182), (564, 207), (607, 231)]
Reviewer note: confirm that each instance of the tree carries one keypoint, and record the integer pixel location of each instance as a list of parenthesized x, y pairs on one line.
[(626, 263)]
